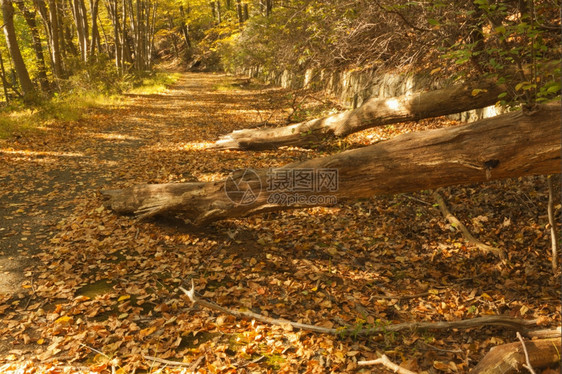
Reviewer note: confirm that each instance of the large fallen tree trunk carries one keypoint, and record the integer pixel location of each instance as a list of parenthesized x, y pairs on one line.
[(511, 145), (374, 112)]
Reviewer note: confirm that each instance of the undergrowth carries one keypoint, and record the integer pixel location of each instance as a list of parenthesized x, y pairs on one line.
[(17, 119)]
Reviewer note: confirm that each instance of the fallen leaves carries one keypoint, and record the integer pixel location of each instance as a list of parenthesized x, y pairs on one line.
[(104, 287)]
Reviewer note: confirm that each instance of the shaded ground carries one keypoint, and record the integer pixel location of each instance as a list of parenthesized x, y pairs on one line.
[(78, 280)]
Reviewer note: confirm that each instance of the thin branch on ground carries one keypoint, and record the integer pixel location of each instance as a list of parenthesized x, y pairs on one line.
[(387, 363), (167, 362), (462, 228), (430, 347), (401, 297), (552, 222), (507, 322), (528, 365)]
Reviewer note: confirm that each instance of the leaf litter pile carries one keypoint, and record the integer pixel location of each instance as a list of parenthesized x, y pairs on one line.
[(100, 292)]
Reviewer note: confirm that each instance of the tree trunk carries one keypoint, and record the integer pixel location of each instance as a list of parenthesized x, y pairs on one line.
[(511, 145), (11, 40), (53, 25), (239, 12), (3, 77), (81, 22), (185, 29), (29, 17), (510, 358), (374, 112), (94, 6)]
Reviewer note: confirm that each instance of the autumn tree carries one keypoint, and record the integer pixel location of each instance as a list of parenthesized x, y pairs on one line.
[(28, 89)]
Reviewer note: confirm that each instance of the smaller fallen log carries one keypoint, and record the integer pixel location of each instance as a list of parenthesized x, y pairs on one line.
[(374, 112), (510, 358)]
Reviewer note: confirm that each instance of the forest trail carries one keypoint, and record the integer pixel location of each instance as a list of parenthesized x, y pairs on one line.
[(44, 177), (106, 282)]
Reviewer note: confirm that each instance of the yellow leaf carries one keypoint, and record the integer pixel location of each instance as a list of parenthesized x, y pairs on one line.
[(64, 320), (40, 341), (440, 365), (124, 297), (476, 91), (147, 331), (486, 296)]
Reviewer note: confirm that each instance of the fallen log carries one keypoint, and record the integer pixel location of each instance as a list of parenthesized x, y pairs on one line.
[(510, 358), (374, 112), (510, 145)]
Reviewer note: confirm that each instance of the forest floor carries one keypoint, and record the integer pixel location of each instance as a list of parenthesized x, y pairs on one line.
[(84, 289)]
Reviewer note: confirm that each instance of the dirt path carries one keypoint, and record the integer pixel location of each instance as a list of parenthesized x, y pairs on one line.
[(75, 277), (43, 177)]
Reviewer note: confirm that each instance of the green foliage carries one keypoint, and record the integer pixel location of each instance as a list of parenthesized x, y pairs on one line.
[(508, 43)]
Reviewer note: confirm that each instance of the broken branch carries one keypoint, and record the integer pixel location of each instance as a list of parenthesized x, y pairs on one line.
[(462, 228), (507, 322), (384, 360)]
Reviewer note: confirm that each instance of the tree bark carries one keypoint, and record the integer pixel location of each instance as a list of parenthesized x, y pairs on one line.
[(511, 145), (4, 81), (11, 40), (50, 21), (94, 7), (374, 112), (81, 22), (185, 29), (29, 17), (510, 358)]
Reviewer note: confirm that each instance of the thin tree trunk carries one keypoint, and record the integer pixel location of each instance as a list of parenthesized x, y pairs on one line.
[(57, 42), (112, 6), (510, 145), (4, 81), (374, 112), (185, 28), (27, 87), (48, 16), (239, 11), (106, 48), (94, 6), (126, 48), (29, 17), (219, 15), (152, 32), (81, 23)]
